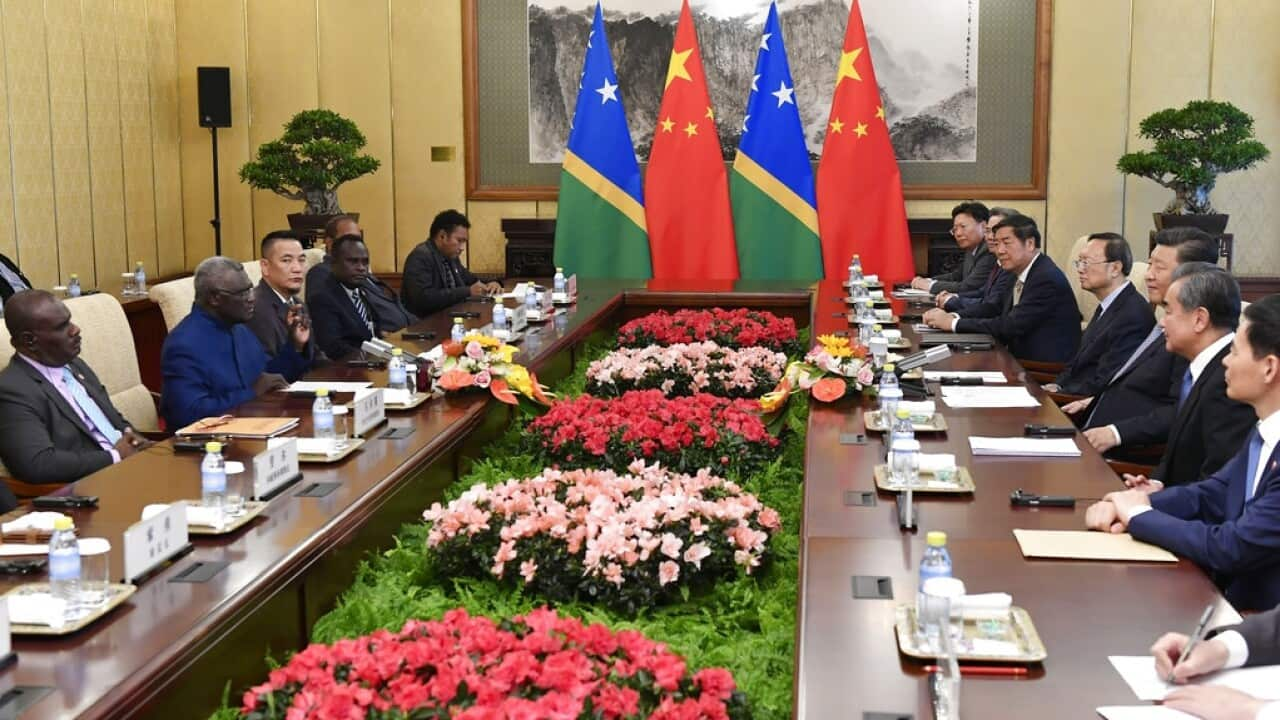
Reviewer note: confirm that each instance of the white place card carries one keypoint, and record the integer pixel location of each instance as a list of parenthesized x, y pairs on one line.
[(275, 467), (517, 318), (370, 411), (154, 540)]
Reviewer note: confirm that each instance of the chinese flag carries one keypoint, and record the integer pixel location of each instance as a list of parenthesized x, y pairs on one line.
[(860, 207), (686, 189)]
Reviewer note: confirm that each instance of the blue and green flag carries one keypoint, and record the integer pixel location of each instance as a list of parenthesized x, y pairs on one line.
[(600, 227), (775, 217)]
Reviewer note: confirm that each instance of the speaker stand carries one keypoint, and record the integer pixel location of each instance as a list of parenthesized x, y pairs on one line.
[(216, 222)]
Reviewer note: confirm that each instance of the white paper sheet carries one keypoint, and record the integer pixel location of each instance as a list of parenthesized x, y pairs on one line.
[(334, 386), (990, 377), (981, 396), (1142, 712), (1024, 446), (1140, 673)]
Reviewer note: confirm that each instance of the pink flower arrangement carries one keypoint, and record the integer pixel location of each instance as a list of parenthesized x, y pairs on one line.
[(682, 433), (628, 540), (535, 666), (684, 369), (739, 328)]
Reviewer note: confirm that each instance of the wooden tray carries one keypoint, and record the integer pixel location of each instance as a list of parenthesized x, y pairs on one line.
[(117, 593), (414, 401), (963, 482), (1016, 631), (353, 444), (853, 320), (935, 424), (252, 509)]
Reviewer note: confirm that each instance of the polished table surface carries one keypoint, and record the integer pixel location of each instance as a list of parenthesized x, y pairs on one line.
[(848, 662)]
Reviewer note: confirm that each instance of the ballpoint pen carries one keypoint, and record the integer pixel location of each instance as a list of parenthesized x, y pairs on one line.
[(1195, 638), (983, 670)]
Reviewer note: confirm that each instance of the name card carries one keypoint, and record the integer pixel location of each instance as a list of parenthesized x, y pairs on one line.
[(570, 293), (275, 467), (370, 411), (152, 541), (518, 318)]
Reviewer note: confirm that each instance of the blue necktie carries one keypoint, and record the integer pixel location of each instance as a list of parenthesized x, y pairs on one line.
[(1251, 467), (1185, 390), (90, 408)]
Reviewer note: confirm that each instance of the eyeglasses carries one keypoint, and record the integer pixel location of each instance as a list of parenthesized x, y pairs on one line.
[(241, 293), (1082, 264)]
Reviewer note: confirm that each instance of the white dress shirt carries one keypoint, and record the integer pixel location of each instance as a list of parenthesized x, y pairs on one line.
[(1022, 278), (1197, 366), (1111, 298), (1238, 655)]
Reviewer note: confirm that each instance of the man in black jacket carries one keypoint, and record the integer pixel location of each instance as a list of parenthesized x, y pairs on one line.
[(57, 423), (1121, 321), (277, 310), (434, 279), (11, 279), (969, 228), (346, 308)]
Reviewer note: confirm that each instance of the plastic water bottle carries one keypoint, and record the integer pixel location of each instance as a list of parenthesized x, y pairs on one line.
[(397, 376), (73, 287), (322, 411), (459, 330), (904, 462), (879, 346), (890, 396), (557, 283), (864, 335), (139, 278), (855, 269), (499, 316), (64, 565), (531, 301), (213, 477), (935, 563)]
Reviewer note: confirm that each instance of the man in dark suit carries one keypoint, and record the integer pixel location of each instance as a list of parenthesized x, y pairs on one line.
[(1137, 398), (211, 361), (988, 300), (1228, 523), (57, 423), (345, 309), (1039, 319), (1252, 642), (392, 315), (11, 279), (968, 227), (1120, 323), (276, 308), (337, 226), (434, 278)]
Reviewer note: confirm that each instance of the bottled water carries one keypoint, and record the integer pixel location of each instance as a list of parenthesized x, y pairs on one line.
[(531, 301), (139, 278), (73, 287), (64, 566), (879, 346), (557, 283), (859, 292), (855, 269), (213, 477), (866, 310), (322, 411), (499, 316), (936, 563), (397, 377), (864, 335), (459, 330), (890, 395)]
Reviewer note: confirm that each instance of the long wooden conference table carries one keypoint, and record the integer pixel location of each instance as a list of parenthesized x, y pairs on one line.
[(173, 647)]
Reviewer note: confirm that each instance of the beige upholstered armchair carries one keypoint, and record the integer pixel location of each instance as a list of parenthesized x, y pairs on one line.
[(174, 298), (107, 347)]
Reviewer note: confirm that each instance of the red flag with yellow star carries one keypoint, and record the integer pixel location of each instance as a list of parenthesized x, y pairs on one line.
[(860, 208), (686, 189)]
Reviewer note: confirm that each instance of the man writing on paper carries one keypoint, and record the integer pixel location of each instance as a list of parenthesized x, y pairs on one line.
[(212, 361), (1228, 523), (1253, 642), (277, 310), (1123, 318), (1038, 319), (988, 300), (434, 278), (969, 228), (57, 423)]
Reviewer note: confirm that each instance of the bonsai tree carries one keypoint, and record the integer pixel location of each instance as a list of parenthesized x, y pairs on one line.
[(319, 151), (1193, 145)]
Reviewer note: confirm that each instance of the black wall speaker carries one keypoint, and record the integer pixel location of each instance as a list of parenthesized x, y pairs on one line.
[(214, 85)]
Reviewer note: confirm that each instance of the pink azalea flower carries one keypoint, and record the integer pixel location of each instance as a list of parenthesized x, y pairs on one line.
[(668, 572)]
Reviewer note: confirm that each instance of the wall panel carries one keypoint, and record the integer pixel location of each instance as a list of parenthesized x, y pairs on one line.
[(162, 49), (69, 134), (135, 131), (106, 158), (486, 252)]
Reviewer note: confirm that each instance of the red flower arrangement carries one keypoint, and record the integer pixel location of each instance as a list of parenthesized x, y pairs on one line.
[(682, 433), (741, 328), (535, 666)]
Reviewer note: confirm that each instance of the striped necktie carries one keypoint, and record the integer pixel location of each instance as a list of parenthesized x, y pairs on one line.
[(357, 299)]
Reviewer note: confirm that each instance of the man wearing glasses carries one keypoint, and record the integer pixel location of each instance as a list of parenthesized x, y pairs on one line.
[(1121, 322), (969, 228), (212, 361)]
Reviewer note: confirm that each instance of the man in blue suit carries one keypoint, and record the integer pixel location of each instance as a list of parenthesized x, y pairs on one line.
[(1123, 318), (988, 300), (1228, 523), (212, 361), (1039, 320)]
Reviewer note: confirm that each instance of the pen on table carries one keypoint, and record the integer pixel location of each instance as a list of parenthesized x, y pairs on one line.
[(982, 670), (1196, 636)]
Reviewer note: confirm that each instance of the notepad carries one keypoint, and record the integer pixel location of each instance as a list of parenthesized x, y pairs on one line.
[(1024, 446), (981, 396), (1086, 545), (242, 427), (1140, 674), (333, 386), (990, 377)]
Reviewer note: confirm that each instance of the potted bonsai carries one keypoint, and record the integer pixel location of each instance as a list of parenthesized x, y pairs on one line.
[(318, 151), (1193, 145)]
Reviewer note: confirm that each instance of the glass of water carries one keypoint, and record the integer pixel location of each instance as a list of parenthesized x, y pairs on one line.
[(340, 431), (905, 463), (128, 285), (95, 573)]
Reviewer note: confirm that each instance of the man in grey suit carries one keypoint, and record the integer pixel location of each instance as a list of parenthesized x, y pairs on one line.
[(57, 423), (279, 317), (1255, 641), (969, 228)]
